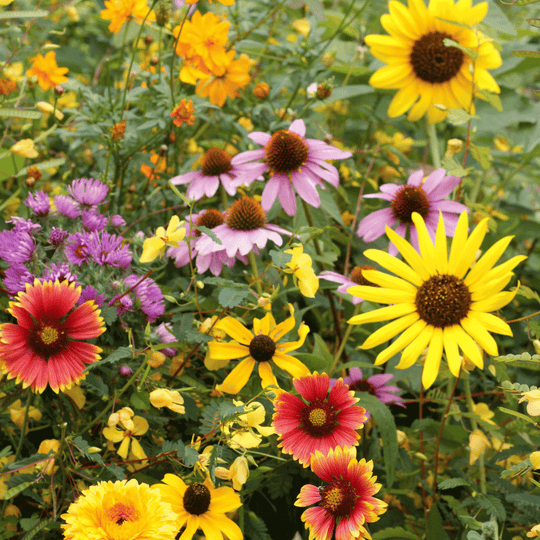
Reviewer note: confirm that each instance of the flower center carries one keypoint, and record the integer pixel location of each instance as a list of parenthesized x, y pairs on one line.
[(47, 339), (432, 61), (286, 152), (197, 499), (211, 218), (363, 385), (407, 200), (120, 513), (262, 348), (443, 300), (339, 497), (215, 162), (357, 276), (246, 214), (319, 419), (49, 335)]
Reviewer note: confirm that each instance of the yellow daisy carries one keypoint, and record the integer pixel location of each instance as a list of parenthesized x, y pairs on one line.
[(260, 347), (438, 301), (201, 505), (419, 64)]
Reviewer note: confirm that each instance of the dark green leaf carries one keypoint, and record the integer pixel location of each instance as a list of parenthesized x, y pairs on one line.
[(435, 526)]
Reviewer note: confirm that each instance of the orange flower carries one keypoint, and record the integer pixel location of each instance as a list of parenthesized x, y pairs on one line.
[(226, 84), (119, 11), (183, 113), (47, 72), (151, 172), (7, 85), (224, 2)]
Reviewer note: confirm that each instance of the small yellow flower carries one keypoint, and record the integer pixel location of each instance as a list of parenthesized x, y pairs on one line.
[(534, 458), (478, 443), (302, 26), (532, 397), (453, 146), (484, 412), (163, 397), (246, 123), (251, 431), (534, 532), (44, 448), (16, 413), (47, 108), (24, 148), (156, 245), (132, 426), (76, 394), (304, 276), (46, 71), (238, 472), (156, 359)]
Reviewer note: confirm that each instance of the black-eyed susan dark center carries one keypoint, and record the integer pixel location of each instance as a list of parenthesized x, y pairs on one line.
[(409, 199), (246, 214), (262, 348), (339, 497), (434, 62), (48, 338), (443, 300), (363, 386), (286, 152), (358, 277), (211, 218), (197, 499), (319, 419), (215, 162), (120, 513)]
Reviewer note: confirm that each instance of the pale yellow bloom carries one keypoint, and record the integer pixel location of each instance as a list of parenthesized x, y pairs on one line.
[(44, 448), (238, 472), (484, 412), (302, 26), (304, 276), (533, 402), (251, 431), (534, 458), (534, 532), (163, 397), (156, 245), (453, 146), (16, 413), (24, 148), (478, 443), (246, 123), (156, 359), (77, 395), (47, 108), (131, 426)]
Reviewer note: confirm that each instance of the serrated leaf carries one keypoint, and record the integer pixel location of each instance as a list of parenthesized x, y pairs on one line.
[(10, 493), (493, 99), (118, 354), (96, 384), (434, 525), (527, 419), (279, 258), (116, 471), (36, 14), (191, 457), (534, 22), (256, 528), (493, 506), (394, 533), (527, 499), (18, 113), (526, 54), (482, 154), (231, 298), (459, 117), (109, 315), (178, 446), (528, 293), (450, 483), (81, 444)]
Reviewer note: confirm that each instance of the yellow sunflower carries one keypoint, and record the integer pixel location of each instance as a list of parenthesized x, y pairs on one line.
[(425, 70), (201, 505), (436, 300), (260, 347)]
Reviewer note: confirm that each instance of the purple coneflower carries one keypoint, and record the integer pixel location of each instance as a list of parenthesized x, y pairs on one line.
[(423, 196), (377, 386), (216, 167), (355, 278), (87, 191), (39, 203), (291, 161), (245, 227)]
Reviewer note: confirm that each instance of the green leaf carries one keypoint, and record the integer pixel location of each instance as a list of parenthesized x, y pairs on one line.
[(97, 385), (231, 298), (482, 154), (191, 457), (469, 52), (178, 447), (534, 22), (493, 99), (528, 293), (453, 168), (517, 387), (523, 2), (10, 493), (496, 18), (109, 314), (526, 54), (523, 357), (527, 419), (43, 165), (394, 533), (313, 362), (528, 499), (348, 92), (209, 233), (459, 116), (17, 113), (450, 483), (140, 400), (256, 528), (118, 354), (492, 505), (387, 427), (42, 525), (328, 204), (29, 523), (321, 349), (435, 526), (23, 14), (280, 258)]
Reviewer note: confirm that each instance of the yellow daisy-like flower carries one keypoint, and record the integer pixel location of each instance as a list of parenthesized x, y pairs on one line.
[(201, 505), (156, 245), (438, 301), (119, 12), (301, 266), (260, 347), (425, 70), (46, 71), (24, 148), (132, 426), (120, 511)]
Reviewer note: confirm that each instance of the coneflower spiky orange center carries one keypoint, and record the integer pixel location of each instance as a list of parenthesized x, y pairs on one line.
[(215, 162), (246, 214), (286, 152), (407, 200)]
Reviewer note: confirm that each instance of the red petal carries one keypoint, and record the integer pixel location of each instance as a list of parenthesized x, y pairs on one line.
[(84, 322), (313, 386), (49, 300), (23, 317)]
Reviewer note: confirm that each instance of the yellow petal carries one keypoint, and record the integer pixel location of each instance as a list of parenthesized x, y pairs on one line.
[(415, 348), (490, 322), (387, 281), (494, 303), (427, 249), (227, 351), (469, 347), (123, 448), (303, 331), (480, 335), (137, 449), (140, 425), (290, 364), (236, 330), (401, 342), (238, 377), (409, 253), (151, 249), (389, 331), (433, 358), (113, 434), (441, 249), (282, 328), (487, 261), (478, 443), (383, 314), (468, 251), (382, 296), (394, 265), (267, 376), (451, 350), (459, 240)]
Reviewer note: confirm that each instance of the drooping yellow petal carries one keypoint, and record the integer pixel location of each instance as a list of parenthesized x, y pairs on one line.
[(414, 349), (267, 376), (389, 331), (402, 341), (123, 449), (236, 330), (238, 377), (383, 314), (290, 364), (137, 449), (303, 331), (490, 322), (433, 359), (227, 351)]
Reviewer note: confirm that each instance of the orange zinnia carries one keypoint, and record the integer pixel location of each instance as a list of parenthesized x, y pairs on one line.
[(46, 70)]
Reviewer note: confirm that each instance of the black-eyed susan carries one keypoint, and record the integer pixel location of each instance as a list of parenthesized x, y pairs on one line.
[(425, 69), (438, 300), (201, 505), (260, 347)]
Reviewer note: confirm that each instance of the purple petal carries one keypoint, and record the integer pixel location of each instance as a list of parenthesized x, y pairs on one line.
[(380, 379), (259, 137), (441, 188), (270, 192), (287, 198), (298, 127), (249, 155), (372, 226), (186, 178), (450, 223), (451, 206), (305, 189), (416, 178)]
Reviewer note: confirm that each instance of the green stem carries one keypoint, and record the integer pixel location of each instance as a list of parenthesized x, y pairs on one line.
[(433, 144), (343, 342), (224, 200), (255, 271)]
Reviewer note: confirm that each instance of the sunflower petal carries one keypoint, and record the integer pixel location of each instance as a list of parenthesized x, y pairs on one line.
[(433, 359), (227, 351), (427, 249), (441, 249), (451, 350), (490, 322), (494, 303), (460, 238), (394, 265), (411, 333), (415, 348), (487, 261), (387, 281), (236, 330), (409, 253), (480, 335), (383, 314), (238, 377), (468, 251), (468, 346), (390, 330), (382, 296)]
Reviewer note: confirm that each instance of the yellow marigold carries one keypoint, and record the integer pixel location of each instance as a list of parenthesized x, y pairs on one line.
[(46, 71), (183, 113), (160, 163), (118, 131), (119, 11), (24, 148), (120, 511)]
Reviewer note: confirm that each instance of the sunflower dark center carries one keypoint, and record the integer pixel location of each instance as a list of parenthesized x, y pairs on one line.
[(339, 497), (434, 62), (363, 385), (443, 300), (409, 199), (215, 162), (211, 218), (357, 276), (197, 499), (120, 513), (286, 152), (262, 348), (246, 214), (319, 419), (48, 338)]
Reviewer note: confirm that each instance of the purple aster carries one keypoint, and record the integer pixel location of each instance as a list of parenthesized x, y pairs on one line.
[(291, 161), (117, 221), (148, 295), (377, 386), (245, 227), (355, 278), (66, 206), (88, 191), (89, 293), (23, 225), (93, 221), (108, 249), (76, 249), (216, 167), (57, 236), (39, 203), (16, 247), (16, 278), (165, 335), (60, 272), (423, 196)]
